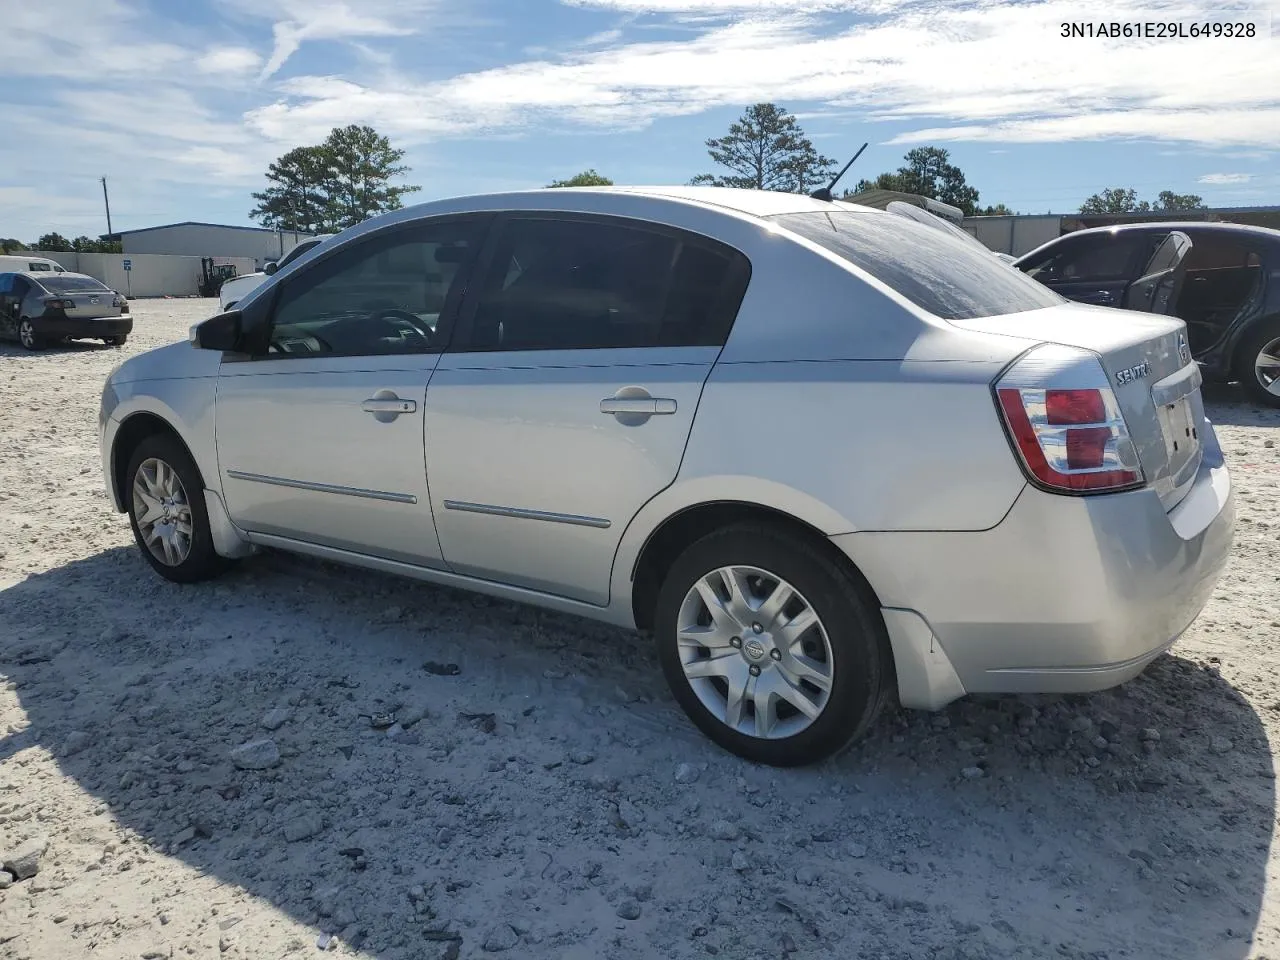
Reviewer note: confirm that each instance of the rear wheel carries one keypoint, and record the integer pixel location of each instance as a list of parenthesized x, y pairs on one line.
[(114, 341), (27, 335), (167, 511), (1259, 369), (772, 649)]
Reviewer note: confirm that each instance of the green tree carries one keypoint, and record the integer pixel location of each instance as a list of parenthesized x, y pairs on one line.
[(1115, 200), (10, 245), (333, 185), (297, 197), (362, 164), (1170, 201), (83, 244), (999, 210), (765, 149), (928, 172), (54, 242), (587, 178)]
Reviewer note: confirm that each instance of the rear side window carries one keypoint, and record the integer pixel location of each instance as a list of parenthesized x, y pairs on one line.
[(942, 274), (1096, 258), (61, 284), (37, 267), (575, 284)]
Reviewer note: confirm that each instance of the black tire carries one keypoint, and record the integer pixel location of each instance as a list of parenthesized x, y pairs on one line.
[(1251, 347), (115, 341), (861, 663), (27, 335), (201, 561)]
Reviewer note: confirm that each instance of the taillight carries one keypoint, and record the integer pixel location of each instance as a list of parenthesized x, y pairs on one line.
[(1065, 423), (118, 301), (57, 303)]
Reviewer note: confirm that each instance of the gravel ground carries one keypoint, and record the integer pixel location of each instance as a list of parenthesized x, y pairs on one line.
[(541, 794)]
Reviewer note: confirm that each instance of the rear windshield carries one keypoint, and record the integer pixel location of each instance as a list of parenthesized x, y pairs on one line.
[(62, 284), (939, 273)]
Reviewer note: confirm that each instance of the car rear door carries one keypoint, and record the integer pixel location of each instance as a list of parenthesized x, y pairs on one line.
[(567, 398), (1157, 289), (320, 440)]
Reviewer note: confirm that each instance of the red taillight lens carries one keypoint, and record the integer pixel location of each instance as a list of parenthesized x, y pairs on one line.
[(1070, 439), (1074, 406)]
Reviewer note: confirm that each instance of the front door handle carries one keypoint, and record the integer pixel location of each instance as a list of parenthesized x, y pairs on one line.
[(633, 406), (386, 406)]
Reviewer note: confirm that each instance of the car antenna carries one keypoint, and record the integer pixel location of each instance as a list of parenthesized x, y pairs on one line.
[(824, 193)]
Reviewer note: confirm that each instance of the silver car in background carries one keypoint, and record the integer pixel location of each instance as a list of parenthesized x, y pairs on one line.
[(826, 456)]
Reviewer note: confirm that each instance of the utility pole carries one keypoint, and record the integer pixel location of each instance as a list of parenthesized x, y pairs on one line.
[(106, 201)]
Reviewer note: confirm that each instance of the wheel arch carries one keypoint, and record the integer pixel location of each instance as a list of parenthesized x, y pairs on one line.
[(687, 525), (134, 429)]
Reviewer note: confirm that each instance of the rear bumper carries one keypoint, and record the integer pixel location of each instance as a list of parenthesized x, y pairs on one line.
[(57, 327), (1065, 595)]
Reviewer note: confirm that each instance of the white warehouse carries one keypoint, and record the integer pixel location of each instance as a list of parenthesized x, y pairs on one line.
[(195, 239)]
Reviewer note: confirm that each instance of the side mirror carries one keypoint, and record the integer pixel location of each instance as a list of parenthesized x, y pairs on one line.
[(270, 267), (220, 332)]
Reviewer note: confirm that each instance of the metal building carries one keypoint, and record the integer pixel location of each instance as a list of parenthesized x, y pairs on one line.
[(194, 239)]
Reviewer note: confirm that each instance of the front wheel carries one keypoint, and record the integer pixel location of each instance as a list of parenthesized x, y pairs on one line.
[(772, 649), (168, 514), (1260, 364), (27, 335)]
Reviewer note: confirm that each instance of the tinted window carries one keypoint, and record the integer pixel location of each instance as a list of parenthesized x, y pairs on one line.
[(1215, 251), (296, 252), (385, 295), (38, 267), (1097, 258), (6, 282), (944, 275), (60, 283), (567, 284)]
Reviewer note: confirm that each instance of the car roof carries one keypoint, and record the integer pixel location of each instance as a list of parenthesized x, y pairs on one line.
[(62, 275), (1151, 226)]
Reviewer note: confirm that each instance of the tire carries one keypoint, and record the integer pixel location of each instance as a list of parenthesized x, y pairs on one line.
[(27, 335), (183, 559), (115, 341), (1263, 340), (854, 662)]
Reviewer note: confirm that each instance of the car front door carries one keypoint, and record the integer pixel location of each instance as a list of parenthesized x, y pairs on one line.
[(1157, 289), (567, 397), (1091, 268), (320, 438)]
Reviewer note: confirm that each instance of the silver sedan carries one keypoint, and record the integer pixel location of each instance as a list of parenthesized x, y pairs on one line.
[(826, 456)]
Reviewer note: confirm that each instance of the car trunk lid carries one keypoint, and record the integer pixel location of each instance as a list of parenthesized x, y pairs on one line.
[(1150, 371), (90, 304)]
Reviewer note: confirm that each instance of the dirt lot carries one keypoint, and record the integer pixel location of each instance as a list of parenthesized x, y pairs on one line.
[(548, 799)]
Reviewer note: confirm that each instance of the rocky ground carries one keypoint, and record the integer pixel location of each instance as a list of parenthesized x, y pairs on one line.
[(194, 772)]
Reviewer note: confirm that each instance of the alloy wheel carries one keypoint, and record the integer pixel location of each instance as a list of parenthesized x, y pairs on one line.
[(27, 334), (755, 652), (162, 512), (1266, 367)]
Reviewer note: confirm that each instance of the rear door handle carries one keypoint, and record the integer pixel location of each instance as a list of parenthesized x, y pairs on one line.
[(388, 406)]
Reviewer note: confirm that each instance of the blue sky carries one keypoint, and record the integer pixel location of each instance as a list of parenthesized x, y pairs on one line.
[(182, 103)]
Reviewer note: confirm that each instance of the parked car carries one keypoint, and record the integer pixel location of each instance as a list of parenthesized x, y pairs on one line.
[(1223, 279), (824, 455), (236, 289), (37, 309), (22, 264)]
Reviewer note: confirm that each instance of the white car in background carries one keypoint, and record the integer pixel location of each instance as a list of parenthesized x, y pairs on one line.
[(18, 263), (237, 288)]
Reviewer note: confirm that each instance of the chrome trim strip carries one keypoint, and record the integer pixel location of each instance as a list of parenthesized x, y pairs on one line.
[(1177, 385), (323, 487), (522, 514)]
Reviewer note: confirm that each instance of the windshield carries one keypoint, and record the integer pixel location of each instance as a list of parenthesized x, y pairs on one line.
[(64, 284), (951, 278)]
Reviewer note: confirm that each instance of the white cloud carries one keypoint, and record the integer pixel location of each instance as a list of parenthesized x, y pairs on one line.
[(233, 60), (969, 70), (1225, 179)]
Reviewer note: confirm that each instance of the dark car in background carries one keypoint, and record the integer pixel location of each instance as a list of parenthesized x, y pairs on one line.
[(40, 309), (1221, 279)]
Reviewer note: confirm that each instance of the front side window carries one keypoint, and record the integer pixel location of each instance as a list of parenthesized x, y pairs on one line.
[(384, 295), (1096, 258), (946, 276), (582, 284)]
